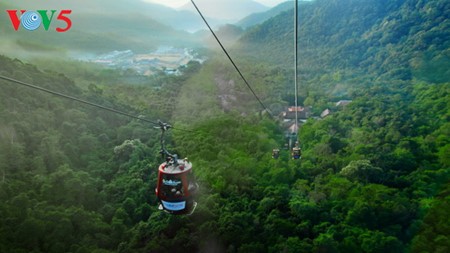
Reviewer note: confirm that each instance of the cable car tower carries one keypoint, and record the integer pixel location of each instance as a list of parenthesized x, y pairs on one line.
[(176, 186)]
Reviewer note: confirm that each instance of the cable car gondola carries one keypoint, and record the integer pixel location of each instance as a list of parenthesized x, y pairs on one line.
[(275, 153), (296, 153), (176, 186)]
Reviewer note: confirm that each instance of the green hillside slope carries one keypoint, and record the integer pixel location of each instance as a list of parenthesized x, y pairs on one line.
[(383, 39), (258, 18)]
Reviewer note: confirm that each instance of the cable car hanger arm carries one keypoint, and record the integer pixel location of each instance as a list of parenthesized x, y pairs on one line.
[(166, 154)]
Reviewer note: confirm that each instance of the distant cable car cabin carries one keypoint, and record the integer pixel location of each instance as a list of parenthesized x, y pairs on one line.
[(275, 153), (296, 153), (176, 187)]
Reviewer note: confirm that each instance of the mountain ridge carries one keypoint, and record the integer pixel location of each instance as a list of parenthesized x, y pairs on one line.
[(260, 17), (227, 10), (365, 36)]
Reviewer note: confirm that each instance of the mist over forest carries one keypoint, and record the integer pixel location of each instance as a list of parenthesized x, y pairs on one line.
[(374, 86)]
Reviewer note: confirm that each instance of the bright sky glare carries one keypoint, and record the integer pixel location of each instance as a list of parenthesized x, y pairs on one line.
[(178, 3)]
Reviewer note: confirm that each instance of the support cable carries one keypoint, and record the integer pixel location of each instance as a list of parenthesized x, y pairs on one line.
[(232, 62), (295, 66), (82, 101), (164, 153)]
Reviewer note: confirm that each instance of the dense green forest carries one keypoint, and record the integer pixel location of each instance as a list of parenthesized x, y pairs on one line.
[(374, 175), (350, 43)]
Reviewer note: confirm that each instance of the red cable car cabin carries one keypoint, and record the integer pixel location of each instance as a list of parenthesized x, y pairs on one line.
[(176, 187)]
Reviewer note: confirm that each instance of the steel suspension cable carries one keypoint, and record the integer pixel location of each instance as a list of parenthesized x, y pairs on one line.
[(79, 100), (295, 66), (232, 62)]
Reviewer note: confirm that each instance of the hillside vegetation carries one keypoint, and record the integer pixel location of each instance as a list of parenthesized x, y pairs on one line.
[(260, 17), (347, 44)]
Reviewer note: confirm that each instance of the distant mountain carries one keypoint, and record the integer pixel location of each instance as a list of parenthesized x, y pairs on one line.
[(187, 20), (260, 17), (227, 10), (121, 27), (141, 31), (382, 38), (228, 35)]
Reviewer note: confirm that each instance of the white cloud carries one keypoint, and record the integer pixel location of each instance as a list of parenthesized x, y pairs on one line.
[(178, 3), (270, 3), (170, 3)]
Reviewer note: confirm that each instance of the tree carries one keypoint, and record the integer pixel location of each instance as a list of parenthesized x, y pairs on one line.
[(362, 171)]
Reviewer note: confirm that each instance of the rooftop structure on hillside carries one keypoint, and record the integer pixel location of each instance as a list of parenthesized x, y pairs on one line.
[(289, 114), (343, 102)]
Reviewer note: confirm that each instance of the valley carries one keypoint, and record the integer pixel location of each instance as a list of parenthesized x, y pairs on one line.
[(164, 59)]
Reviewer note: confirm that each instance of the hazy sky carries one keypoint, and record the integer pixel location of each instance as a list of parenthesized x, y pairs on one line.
[(178, 3)]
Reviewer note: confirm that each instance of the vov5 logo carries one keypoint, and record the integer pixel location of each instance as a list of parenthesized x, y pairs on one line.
[(32, 20)]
